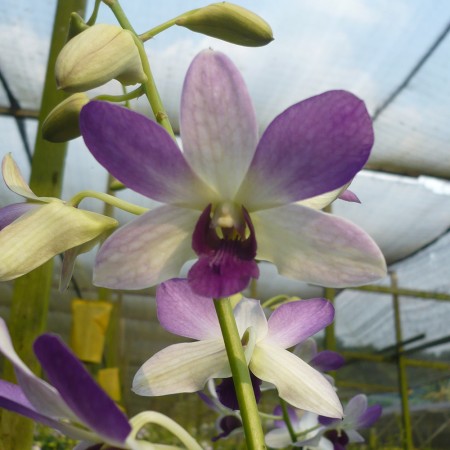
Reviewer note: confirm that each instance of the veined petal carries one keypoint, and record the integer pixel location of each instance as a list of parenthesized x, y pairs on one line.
[(14, 179), (329, 251), (182, 312), (141, 154), (248, 313), (44, 232), (294, 322), (44, 398), (218, 123), (148, 250), (10, 213), (78, 389), (297, 383), (182, 367), (13, 399), (313, 147)]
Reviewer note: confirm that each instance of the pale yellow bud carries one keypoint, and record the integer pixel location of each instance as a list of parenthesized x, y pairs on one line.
[(62, 123), (97, 55), (230, 23)]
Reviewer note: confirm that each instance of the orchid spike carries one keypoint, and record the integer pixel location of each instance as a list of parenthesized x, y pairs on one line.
[(33, 232), (73, 403), (229, 198), (187, 367)]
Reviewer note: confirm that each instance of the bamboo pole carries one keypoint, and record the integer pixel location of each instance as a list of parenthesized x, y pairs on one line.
[(28, 315)]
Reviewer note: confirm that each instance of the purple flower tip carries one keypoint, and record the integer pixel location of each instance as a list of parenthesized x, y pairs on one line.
[(227, 393), (327, 360), (226, 264), (370, 416), (227, 424)]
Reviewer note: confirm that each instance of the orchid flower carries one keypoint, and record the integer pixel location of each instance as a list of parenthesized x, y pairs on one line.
[(73, 404), (33, 232), (186, 367), (323, 361), (320, 433), (228, 198)]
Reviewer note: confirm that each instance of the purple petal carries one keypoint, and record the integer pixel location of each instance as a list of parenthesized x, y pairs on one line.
[(313, 147), (349, 196), (227, 424), (141, 154), (294, 322), (86, 399), (316, 247), (370, 416), (327, 360), (226, 392), (218, 123), (182, 312), (148, 250), (10, 213), (328, 420)]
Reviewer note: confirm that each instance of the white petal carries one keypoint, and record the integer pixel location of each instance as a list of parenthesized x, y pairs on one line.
[(182, 368), (248, 313), (297, 382), (148, 250), (44, 232), (316, 247), (14, 179), (278, 438), (40, 394)]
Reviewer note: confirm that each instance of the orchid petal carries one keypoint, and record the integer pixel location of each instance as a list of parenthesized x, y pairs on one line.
[(248, 313), (294, 322), (355, 408), (182, 367), (294, 419), (10, 213), (278, 438), (218, 123), (329, 251), (354, 436), (150, 249), (313, 147), (14, 179), (327, 360), (179, 310), (76, 386), (349, 196), (369, 416), (40, 394), (141, 154), (297, 383), (306, 350), (13, 399), (44, 232)]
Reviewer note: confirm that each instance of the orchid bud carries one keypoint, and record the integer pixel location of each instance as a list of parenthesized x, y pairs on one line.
[(76, 25), (97, 55), (230, 23), (62, 123)]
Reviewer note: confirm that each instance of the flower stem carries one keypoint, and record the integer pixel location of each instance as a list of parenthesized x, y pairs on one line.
[(121, 98), (287, 421), (153, 417), (109, 199), (241, 377)]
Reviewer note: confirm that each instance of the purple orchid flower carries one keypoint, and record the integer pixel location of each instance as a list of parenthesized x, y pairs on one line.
[(229, 198), (73, 404), (321, 433), (186, 367)]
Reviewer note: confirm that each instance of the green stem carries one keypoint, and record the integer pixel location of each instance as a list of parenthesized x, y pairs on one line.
[(287, 421), (93, 17), (110, 199), (153, 417), (121, 98), (156, 30), (149, 86), (241, 377)]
